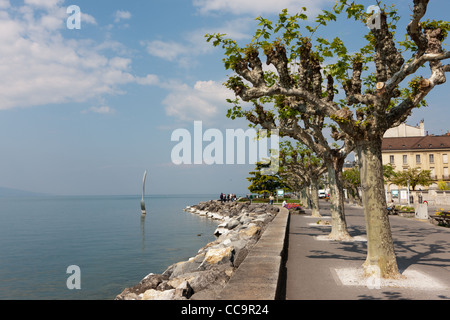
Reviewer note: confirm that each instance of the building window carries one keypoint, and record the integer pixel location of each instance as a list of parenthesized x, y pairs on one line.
[(418, 158), (445, 173), (405, 159), (444, 158), (432, 173), (391, 160), (431, 158)]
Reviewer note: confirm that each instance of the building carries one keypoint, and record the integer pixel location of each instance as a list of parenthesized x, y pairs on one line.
[(405, 130), (428, 152)]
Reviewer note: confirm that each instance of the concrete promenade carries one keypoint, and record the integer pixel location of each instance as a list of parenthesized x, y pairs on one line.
[(322, 270), (292, 261)]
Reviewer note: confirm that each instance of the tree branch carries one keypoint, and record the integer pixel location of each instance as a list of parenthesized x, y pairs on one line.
[(388, 59), (414, 29), (277, 57)]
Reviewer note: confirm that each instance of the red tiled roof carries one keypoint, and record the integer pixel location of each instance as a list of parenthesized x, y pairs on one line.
[(416, 143)]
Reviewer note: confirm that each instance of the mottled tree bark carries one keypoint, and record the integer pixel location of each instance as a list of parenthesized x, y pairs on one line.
[(338, 221), (381, 259), (304, 197), (315, 199)]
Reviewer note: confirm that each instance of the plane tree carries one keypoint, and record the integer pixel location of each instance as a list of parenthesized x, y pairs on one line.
[(301, 169), (377, 86), (294, 118)]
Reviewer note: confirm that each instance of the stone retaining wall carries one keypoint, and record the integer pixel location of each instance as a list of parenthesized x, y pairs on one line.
[(261, 275)]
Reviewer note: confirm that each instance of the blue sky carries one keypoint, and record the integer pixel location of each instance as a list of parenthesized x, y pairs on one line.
[(88, 111)]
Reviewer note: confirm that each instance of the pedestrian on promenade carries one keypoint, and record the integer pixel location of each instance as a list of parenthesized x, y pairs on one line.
[(271, 198)]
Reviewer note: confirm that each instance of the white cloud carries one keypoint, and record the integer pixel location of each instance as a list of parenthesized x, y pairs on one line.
[(100, 110), (39, 66), (149, 80), (4, 4), (122, 15), (186, 51), (48, 4), (87, 18), (205, 100), (258, 7), (168, 50)]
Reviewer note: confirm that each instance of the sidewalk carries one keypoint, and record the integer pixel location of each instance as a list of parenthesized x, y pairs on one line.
[(316, 269)]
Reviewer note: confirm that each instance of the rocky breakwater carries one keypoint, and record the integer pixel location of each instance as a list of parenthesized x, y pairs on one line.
[(203, 276)]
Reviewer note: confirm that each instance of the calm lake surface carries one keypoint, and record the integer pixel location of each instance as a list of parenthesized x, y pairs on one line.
[(105, 236)]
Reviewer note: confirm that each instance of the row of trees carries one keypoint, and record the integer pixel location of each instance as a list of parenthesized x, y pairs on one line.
[(411, 178), (305, 175), (356, 96)]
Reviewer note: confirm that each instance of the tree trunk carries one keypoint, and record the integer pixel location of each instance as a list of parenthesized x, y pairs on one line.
[(381, 258), (315, 199), (304, 198), (338, 223)]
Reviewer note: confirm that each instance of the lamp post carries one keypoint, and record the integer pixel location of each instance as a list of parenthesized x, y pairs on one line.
[(407, 182)]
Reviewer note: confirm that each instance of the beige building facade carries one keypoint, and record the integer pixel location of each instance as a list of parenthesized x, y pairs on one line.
[(405, 130), (427, 152)]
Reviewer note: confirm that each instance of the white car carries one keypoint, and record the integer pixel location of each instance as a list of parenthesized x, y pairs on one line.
[(322, 194)]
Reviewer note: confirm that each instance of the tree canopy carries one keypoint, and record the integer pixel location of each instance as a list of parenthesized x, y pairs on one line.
[(264, 184), (362, 92)]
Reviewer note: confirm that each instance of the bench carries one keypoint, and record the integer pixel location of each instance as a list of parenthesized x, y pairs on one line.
[(442, 219)]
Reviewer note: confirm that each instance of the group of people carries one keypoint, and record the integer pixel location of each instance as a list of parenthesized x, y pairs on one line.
[(227, 197)]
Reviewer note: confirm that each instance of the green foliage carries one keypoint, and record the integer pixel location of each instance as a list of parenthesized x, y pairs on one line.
[(352, 181), (263, 184), (407, 208), (388, 172), (442, 185), (433, 25), (413, 176), (353, 177)]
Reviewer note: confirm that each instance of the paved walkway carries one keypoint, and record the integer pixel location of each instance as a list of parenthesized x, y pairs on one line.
[(315, 269)]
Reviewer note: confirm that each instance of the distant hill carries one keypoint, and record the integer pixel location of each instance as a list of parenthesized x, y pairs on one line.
[(8, 192)]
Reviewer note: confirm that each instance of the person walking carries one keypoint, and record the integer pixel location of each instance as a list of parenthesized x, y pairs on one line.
[(271, 198)]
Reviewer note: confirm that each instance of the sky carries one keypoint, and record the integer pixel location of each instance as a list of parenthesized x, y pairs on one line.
[(86, 111)]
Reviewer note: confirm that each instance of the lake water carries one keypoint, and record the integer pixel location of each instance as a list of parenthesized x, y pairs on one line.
[(105, 236)]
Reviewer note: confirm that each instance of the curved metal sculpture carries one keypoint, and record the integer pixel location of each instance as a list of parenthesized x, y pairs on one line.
[(143, 192)]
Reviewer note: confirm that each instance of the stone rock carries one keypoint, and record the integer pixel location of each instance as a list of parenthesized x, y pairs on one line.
[(213, 279), (191, 265), (153, 294), (184, 290), (151, 281), (164, 286), (233, 223), (239, 257), (251, 231), (220, 255), (221, 230)]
